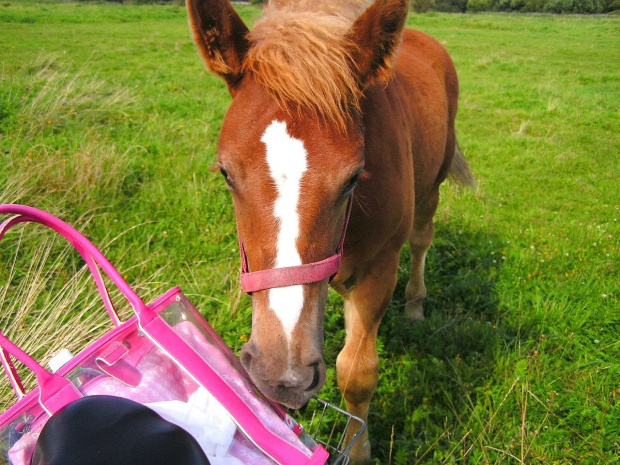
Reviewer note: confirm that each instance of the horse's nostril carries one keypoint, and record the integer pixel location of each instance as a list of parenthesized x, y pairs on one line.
[(248, 353), (316, 378)]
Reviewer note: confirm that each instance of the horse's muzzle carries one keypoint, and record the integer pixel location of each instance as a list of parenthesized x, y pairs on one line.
[(292, 387)]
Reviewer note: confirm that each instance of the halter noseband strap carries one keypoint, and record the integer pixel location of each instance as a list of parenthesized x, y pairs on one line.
[(252, 281)]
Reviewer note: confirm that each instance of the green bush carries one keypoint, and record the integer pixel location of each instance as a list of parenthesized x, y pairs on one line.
[(422, 6), (451, 6), (517, 5), (479, 5), (575, 6), (611, 5), (526, 6), (461, 6), (532, 6)]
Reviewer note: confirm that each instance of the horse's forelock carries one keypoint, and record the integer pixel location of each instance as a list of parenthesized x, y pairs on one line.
[(301, 55)]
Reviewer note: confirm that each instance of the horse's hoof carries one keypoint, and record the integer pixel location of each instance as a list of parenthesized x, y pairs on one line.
[(415, 310)]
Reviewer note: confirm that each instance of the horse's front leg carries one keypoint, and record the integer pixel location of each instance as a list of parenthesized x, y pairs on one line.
[(358, 362)]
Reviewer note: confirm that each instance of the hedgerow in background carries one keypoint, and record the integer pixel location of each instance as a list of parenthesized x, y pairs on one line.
[(109, 120), (525, 6), (422, 6), (461, 6)]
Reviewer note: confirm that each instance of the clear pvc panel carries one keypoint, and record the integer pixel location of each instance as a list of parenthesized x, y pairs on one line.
[(183, 317)]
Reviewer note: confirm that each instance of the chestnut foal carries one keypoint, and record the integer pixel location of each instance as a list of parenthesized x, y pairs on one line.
[(338, 116)]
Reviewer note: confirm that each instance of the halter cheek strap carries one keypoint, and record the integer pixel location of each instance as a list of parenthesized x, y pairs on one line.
[(252, 281)]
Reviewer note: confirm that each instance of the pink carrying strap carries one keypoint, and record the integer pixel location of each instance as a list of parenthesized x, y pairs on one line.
[(252, 281), (92, 266), (54, 390), (91, 255)]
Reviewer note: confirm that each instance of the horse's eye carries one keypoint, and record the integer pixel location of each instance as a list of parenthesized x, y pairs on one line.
[(226, 177), (351, 183)]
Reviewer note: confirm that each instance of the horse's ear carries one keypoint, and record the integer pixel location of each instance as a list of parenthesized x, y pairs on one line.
[(221, 36), (375, 36)]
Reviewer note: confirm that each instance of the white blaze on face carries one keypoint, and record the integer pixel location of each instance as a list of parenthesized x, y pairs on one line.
[(287, 160)]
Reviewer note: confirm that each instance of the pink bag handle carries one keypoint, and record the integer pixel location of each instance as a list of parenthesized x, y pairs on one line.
[(91, 254), (92, 266), (11, 372), (54, 390)]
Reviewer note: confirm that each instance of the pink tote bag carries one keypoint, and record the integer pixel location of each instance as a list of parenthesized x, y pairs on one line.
[(165, 356)]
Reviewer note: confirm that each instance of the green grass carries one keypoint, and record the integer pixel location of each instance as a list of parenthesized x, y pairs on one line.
[(109, 120)]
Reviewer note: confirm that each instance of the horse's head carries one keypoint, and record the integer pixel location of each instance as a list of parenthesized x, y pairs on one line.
[(290, 203), (291, 150)]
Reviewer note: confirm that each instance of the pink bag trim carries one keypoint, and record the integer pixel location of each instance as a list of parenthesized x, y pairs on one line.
[(56, 393), (27, 401), (319, 457)]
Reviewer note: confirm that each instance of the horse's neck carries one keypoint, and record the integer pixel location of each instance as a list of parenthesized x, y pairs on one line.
[(386, 107)]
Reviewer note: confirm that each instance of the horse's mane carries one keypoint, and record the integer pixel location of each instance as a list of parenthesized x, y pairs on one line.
[(301, 55)]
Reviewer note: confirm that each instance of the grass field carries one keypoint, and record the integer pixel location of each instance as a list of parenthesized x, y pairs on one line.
[(109, 120)]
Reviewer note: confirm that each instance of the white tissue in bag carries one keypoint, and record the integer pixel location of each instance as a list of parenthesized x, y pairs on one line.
[(206, 420)]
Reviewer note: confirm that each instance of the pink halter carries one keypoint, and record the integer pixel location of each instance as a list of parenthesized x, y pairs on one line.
[(252, 281)]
